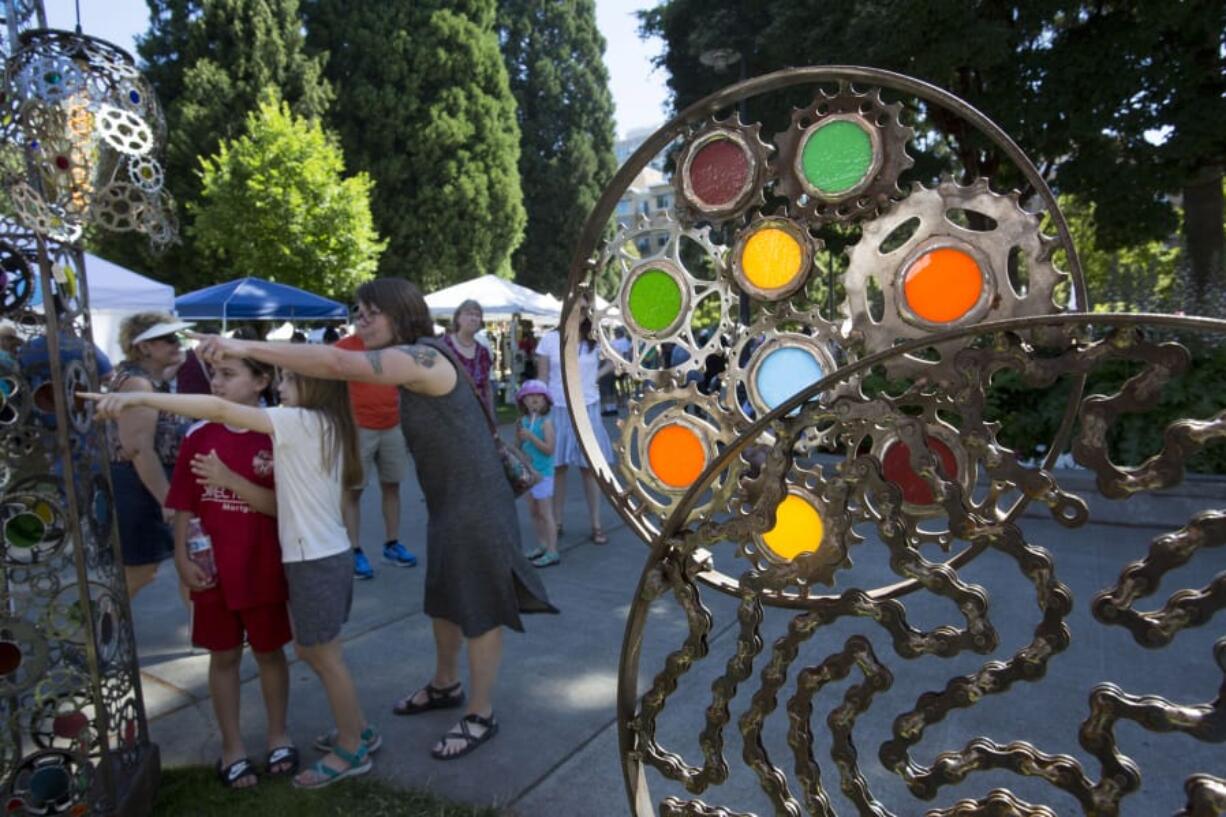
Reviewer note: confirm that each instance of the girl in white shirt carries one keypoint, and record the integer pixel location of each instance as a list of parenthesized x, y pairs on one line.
[(316, 457)]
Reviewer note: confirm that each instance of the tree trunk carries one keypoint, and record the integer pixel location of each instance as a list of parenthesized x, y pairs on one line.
[(1205, 236)]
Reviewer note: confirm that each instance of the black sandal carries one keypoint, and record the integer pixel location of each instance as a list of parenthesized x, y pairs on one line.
[(445, 698), (235, 772), (471, 741), (280, 755)]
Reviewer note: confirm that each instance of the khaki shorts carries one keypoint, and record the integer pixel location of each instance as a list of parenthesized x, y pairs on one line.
[(386, 447)]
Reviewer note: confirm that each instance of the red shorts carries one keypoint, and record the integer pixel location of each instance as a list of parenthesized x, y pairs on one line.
[(218, 629)]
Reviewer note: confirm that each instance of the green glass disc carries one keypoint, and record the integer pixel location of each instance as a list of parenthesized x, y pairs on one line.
[(837, 156), (655, 300)]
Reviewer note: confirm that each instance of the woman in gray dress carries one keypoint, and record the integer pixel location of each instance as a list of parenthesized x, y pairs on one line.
[(477, 579)]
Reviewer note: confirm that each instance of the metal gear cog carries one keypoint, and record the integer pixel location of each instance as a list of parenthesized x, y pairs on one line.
[(842, 156), (808, 540), (768, 364), (946, 274), (720, 171), (657, 297), (667, 439), (772, 258)]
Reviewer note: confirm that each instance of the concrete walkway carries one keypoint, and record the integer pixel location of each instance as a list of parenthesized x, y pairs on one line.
[(557, 749)]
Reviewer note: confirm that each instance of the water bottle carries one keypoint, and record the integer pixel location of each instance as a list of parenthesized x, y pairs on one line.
[(200, 549)]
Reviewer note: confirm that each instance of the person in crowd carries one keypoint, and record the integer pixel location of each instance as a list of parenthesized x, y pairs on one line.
[(477, 579), (298, 337), (331, 336), (224, 478), (144, 444), (567, 451), (527, 350), (10, 344), (475, 357), (624, 347), (536, 438), (34, 358), (192, 377), (315, 451), (381, 443)]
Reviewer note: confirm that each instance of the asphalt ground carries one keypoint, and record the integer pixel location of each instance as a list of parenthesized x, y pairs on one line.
[(557, 751)]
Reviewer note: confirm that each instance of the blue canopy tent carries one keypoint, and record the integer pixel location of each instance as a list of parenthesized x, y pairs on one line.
[(256, 299)]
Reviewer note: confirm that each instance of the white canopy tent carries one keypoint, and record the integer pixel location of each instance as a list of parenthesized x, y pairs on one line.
[(500, 300), (115, 293)]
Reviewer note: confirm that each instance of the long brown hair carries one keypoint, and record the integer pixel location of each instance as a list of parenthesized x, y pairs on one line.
[(402, 302), (331, 399), (259, 368)]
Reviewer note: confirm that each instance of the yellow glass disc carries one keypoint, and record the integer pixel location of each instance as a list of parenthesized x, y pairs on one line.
[(771, 259), (798, 529)]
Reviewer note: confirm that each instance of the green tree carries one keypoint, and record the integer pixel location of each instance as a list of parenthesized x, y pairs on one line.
[(209, 61), (1145, 277), (554, 57), (274, 204), (1119, 103), (424, 107)]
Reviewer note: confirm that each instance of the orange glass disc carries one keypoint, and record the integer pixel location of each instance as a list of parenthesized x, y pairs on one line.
[(771, 259), (676, 455), (943, 285)]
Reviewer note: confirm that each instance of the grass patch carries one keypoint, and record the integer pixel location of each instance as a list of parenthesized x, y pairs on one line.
[(196, 790)]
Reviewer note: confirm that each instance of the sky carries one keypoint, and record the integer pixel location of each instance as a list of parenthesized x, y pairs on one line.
[(639, 92)]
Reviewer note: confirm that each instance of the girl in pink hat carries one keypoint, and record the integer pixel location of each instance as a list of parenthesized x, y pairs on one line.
[(535, 435)]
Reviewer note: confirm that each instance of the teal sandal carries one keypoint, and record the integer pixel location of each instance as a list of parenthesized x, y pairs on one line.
[(371, 739), (359, 763)]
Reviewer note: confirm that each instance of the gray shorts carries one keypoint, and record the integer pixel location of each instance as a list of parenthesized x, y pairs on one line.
[(386, 447), (320, 595)]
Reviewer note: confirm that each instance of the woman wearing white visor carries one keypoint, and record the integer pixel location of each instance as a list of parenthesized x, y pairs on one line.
[(144, 445)]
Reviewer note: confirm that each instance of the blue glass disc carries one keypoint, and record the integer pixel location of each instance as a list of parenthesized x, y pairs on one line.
[(784, 372)]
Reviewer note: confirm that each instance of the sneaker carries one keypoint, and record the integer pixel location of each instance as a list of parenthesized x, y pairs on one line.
[(398, 555), (361, 566)]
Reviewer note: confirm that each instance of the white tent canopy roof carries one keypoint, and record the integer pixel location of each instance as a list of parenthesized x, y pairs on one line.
[(499, 299), (113, 287)]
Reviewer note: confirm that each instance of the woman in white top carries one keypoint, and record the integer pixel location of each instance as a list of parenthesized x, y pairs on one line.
[(567, 451)]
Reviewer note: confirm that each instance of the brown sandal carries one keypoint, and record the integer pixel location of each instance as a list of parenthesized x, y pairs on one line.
[(445, 698)]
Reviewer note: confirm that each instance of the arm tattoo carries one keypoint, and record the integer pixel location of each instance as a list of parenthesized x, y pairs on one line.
[(423, 355), (375, 357)]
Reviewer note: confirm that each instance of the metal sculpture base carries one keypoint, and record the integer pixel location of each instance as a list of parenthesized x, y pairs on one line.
[(138, 789)]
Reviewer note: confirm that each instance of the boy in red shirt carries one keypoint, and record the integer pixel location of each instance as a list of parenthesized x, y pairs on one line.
[(224, 477)]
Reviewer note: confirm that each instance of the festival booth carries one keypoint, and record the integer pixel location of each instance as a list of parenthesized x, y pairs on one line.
[(254, 299), (114, 294), (501, 301)]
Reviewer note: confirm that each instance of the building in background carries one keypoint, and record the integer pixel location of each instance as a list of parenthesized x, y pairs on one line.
[(649, 193), (623, 148)]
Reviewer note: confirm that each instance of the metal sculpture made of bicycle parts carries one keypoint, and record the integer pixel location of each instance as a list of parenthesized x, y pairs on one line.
[(858, 491), (935, 269), (839, 162), (67, 654), (89, 129)]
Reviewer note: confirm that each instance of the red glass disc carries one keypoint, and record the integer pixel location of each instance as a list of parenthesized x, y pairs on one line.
[(718, 172), (896, 467)]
